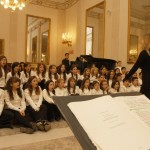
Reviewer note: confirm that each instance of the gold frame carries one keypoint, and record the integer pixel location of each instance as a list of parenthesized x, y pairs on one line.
[(47, 42), (28, 15), (103, 2), (129, 34), (3, 46)]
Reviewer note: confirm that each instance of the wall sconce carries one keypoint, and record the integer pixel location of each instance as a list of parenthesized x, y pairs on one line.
[(67, 39)]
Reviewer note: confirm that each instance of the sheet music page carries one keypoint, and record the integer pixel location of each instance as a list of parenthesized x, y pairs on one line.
[(139, 106), (110, 126)]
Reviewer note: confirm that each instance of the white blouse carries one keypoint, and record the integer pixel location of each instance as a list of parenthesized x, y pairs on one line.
[(53, 78), (34, 100), (1, 101), (47, 96), (9, 75), (17, 104), (23, 77), (61, 92), (40, 76), (112, 91), (76, 91), (2, 79), (124, 89), (94, 92), (133, 88), (85, 92), (77, 76)]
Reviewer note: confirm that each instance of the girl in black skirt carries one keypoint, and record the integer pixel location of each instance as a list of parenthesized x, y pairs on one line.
[(52, 110)]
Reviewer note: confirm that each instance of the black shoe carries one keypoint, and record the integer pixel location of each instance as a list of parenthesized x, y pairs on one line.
[(6, 126), (58, 118)]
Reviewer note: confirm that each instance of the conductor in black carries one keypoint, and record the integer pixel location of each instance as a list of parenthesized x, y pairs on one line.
[(143, 62)]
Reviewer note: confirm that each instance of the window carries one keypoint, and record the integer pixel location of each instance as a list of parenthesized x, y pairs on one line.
[(89, 40)]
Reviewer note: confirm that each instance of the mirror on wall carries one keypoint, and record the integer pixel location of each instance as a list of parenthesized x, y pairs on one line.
[(95, 18), (37, 45), (2, 46), (139, 25)]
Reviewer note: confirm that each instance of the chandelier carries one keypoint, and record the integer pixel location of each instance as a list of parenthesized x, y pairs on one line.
[(13, 4)]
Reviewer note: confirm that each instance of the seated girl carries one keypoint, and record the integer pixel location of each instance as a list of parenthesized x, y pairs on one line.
[(96, 88), (52, 110), (85, 87), (72, 88), (35, 108), (6, 117), (15, 101), (115, 87), (61, 90)]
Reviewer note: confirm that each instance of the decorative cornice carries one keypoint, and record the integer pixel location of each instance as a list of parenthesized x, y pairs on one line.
[(53, 4), (140, 14)]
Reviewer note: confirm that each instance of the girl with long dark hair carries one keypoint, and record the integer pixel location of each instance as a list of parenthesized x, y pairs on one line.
[(6, 117), (52, 110), (85, 87), (14, 71), (36, 109), (41, 75), (3, 71), (72, 88), (15, 101)]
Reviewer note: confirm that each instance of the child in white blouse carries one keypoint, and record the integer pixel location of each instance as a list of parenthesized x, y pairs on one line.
[(3, 71), (86, 73), (85, 87), (41, 75), (61, 90), (36, 109), (74, 73), (104, 86), (96, 88), (52, 74), (26, 74), (94, 74), (62, 73), (15, 101), (114, 87), (15, 67), (134, 86), (6, 117), (52, 110), (72, 88)]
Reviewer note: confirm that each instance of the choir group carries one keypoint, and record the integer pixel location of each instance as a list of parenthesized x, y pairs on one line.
[(26, 95)]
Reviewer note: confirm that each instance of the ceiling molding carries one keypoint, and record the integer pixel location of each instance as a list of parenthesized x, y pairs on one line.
[(54, 4)]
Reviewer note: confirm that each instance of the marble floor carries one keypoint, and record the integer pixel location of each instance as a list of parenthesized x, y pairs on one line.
[(60, 137)]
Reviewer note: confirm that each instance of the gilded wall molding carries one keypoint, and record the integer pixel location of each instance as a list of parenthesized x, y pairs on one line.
[(53, 4)]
